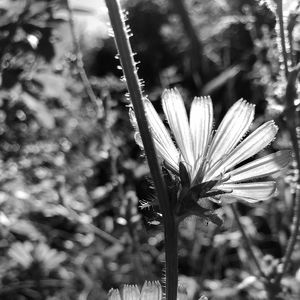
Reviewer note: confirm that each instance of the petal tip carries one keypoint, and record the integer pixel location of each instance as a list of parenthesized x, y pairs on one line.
[(170, 92)]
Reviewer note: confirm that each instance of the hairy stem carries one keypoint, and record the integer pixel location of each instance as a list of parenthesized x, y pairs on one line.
[(136, 96)]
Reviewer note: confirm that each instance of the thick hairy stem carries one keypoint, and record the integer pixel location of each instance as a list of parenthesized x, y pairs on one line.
[(171, 241), (135, 91)]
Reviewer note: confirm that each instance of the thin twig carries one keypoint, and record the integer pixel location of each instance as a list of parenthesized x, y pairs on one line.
[(97, 231), (294, 235), (133, 83), (248, 242), (79, 62), (291, 111), (282, 37)]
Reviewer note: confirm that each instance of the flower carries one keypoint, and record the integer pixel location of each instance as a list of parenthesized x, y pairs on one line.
[(150, 291), (211, 157)]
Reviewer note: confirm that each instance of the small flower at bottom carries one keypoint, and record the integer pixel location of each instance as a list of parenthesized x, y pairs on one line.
[(150, 291), (205, 161)]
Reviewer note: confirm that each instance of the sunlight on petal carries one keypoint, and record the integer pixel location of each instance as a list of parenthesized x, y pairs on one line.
[(257, 191), (254, 143), (175, 112), (114, 294), (262, 167), (201, 122), (171, 159), (162, 138), (228, 199), (182, 293), (131, 292), (151, 291), (233, 127)]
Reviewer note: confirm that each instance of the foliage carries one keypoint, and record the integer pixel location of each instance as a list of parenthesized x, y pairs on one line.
[(75, 214)]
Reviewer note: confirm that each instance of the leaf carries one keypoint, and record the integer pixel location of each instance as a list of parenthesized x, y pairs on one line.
[(221, 79), (214, 218), (40, 110), (21, 253), (184, 175), (189, 207), (200, 190), (25, 228)]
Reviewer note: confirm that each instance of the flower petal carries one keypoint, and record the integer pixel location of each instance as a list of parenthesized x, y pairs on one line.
[(182, 292), (114, 294), (254, 143), (233, 127), (162, 139), (176, 115), (151, 291), (131, 292), (251, 192), (261, 167), (201, 122), (228, 199)]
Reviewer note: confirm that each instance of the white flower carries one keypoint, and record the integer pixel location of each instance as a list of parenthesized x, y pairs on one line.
[(150, 291), (209, 156)]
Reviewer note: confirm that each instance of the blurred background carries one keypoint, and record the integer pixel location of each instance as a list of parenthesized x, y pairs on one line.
[(73, 183)]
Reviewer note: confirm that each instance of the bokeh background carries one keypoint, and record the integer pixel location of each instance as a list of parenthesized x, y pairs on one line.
[(73, 183)]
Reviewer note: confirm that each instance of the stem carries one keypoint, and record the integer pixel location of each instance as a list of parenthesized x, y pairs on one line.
[(271, 288), (291, 111), (79, 62), (282, 36), (291, 114), (171, 245), (196, 47), (295, 231), (248, 241), (188, 26), (134, 88)]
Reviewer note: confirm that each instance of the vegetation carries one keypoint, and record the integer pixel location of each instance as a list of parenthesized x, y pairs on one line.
[(78, 208)]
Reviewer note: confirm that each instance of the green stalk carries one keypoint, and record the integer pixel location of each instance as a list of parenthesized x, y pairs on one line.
[(282, 37), (291, 114), (130, 72)]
